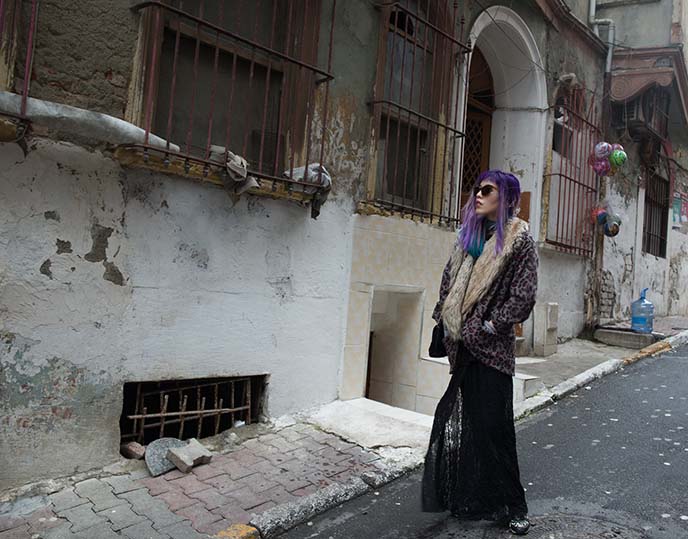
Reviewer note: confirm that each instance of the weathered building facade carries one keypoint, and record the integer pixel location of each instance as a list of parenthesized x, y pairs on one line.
[(157, 247)]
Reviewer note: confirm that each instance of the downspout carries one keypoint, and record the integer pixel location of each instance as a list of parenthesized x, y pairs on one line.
[(593, 311)]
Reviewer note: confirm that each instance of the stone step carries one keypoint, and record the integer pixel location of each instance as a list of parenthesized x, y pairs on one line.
[(522, 348), (624, 338), (526, 385)]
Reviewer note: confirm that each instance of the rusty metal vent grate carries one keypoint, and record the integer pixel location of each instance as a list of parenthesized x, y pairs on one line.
[(184, 409)]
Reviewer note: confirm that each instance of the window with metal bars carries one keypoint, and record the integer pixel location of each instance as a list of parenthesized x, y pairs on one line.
[(236, 76), (655, 226), (416, 108), (572, 184)]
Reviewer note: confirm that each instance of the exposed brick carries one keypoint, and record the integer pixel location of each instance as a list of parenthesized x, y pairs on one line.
[(132, 450), (194, 453), (198, 515), (176, 500)]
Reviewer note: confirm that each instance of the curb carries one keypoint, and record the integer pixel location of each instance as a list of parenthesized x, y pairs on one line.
[(545, 398)]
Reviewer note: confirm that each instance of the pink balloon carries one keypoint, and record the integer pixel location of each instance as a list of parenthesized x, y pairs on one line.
[(617, 147), (602, 167)]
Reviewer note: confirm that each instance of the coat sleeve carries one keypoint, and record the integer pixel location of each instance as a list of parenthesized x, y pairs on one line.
[(523, 289), (444, 291)]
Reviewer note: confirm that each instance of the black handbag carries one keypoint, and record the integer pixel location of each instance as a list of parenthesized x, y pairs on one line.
[(437, 348)]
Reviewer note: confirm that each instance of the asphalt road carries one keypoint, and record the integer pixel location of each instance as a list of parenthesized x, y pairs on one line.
[(608, 462)]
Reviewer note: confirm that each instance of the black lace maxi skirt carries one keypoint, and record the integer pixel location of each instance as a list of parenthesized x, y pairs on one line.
[(471, 467)]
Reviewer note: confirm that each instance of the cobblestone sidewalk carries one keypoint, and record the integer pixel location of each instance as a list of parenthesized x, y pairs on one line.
[(255, 476)]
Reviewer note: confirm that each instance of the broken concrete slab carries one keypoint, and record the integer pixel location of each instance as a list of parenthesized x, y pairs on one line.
[(132, 450), (624, 339), (192, 454), (156, 455)]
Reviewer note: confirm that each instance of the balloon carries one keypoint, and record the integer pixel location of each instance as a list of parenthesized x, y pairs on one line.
[(603, 150), (602, 167), (601, 217), (612, 225), (617, 147), (617, 158)]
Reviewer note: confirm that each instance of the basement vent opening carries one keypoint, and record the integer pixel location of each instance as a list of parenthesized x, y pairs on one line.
[(195, 408)]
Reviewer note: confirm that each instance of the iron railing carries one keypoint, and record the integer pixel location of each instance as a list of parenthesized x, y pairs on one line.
[(573, 184), (416, 107)]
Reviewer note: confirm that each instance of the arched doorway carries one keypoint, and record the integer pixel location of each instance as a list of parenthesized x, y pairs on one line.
[(514, 97), (478, 122)]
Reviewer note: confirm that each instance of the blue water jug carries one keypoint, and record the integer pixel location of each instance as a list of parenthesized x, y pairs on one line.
[(642, 314)]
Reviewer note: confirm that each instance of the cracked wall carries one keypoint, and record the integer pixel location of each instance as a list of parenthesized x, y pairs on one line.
[(110, 275)]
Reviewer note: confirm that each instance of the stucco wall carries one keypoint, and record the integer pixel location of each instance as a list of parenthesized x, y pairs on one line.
[(639, 24), (110, 275)]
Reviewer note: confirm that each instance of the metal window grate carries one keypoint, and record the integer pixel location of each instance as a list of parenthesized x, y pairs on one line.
[(573, 184), (236, 76), (656, 215), (417, 110), (188, 408)]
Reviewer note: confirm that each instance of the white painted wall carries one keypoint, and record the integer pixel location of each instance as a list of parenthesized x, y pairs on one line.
[(210, 289)]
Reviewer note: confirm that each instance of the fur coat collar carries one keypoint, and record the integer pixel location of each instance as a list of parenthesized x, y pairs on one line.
[(471, 279)]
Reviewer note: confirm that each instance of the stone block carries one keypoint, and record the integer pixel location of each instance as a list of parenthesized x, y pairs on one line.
[(156, 455), (132, 450), (624, 339), (188, 456)]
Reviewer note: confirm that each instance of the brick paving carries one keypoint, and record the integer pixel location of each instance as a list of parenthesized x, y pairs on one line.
[(258, 475)]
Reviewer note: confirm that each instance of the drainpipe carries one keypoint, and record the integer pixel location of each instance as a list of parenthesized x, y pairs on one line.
[(593, 314)]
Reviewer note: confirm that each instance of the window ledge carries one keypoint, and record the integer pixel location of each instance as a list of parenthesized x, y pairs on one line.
[(442, 360)]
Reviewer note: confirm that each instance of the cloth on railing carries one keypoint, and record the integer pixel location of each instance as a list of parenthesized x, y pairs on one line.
[(317, 174), (237, 170)]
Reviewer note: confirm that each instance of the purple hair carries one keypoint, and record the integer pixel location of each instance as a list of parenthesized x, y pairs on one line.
[(472, 230)]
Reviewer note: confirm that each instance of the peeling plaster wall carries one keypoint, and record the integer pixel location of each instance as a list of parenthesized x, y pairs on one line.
[(110, 275)]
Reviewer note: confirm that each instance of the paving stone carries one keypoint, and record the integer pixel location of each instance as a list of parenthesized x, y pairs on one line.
[(233, 513), (221, 525), (102, 531), (277, 442), (305, 491), (211, 498), (361, 454), (176, 499), (82, 517), (156, 455), (259, 482), (122, 483), (206, 471), (279, 495), (189, 484), (183, 530), (43, 519), (143, 530), (60, 532), (132, 450), (267, 468), (247, 499), (224, 484), (198, 515), (7, 522), (245, 457), (121, 517), (262, 508), (237, 471), (275, 456), (152, 508), (66, 499), (291, 481), (21, 532), (291, 434), (339, 444), (174, 474), (310, 445), (333, 456), (194, 453), (156, 485), (98, 492)]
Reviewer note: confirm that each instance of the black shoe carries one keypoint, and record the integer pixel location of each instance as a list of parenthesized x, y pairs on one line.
[(519, 525)]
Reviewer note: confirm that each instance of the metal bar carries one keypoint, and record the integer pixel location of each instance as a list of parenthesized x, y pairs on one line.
[(182, 414), (385, 183), (197, 51), (399, 125), (250, 43), (410, 104), (267, 90), (327, 90), (310, 108), (418, 115), (282, 98), (248, 402), (173, 87), (251, 70), (194, 386), (28, 63), (165, 400), (201, 415), (136, 407), (142, 425), (152, 69), (410, 210), (231, 414), (426, 21), (214, 85)]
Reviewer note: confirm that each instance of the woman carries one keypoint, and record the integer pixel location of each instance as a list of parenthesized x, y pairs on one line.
[(488, 285)]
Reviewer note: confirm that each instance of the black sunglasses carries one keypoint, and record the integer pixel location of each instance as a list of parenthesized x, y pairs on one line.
[(486, 190)]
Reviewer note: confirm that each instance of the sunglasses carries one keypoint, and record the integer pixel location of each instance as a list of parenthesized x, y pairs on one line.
[(485, 190)]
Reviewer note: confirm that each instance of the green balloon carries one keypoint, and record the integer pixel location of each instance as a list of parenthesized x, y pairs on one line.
[(617, 158)]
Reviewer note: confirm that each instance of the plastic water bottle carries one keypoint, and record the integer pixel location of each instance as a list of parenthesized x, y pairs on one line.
[(642, 314)]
